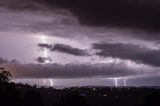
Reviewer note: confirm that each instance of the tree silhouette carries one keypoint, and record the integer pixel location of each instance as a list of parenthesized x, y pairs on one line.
[(71, 99), (33, 98), (9, 95), (152, 100), (4, 76)]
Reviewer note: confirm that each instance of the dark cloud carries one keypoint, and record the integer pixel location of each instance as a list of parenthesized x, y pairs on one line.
[(122, 13), (2, 60), (64, 49), (24, 4), (43, 59), (46, 46), (6, 61), (68, 49), (133, 52), (86, 70), (15, 61)]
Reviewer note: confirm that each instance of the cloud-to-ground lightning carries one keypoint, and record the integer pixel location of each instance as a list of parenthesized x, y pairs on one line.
[(51, 82), (116, 82), (125, 81), (44, 41)]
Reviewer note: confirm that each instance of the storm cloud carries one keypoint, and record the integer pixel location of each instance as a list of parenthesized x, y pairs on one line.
[(64, 49), (122, 13), (117, 68), (137, 53), (86, 70), (46, 46), (43, 59), (3, 60)]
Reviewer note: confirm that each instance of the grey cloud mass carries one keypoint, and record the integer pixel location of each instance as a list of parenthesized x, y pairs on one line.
[(46, 46), (68, 49), (24, 4), (3, 60), (137, 53), (122, 13), (133, 52), (43, 59), (86, 70), (64, 49)]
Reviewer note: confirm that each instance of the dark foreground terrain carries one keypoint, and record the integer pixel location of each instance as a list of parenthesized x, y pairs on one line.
[(12, 94)]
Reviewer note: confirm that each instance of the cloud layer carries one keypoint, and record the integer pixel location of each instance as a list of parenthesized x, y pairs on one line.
[(132, 52), (87, 70), (110, 68), (43, 59), (64, 49), (3, 60), (123, 13)]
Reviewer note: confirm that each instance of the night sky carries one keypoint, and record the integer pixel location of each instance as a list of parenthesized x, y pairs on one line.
[(81, 42)]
